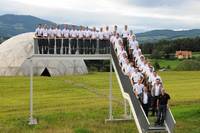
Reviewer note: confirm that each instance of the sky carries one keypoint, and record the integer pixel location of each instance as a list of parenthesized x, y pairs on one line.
[(139, 15)]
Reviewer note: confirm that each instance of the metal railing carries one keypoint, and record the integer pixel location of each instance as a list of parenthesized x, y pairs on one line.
[(63, 46)]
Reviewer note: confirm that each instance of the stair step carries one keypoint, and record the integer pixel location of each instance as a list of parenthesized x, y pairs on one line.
[(157, 129)]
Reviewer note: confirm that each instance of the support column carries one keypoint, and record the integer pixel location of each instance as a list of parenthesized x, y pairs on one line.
[(110, 96), (32, 121), (125, 108)]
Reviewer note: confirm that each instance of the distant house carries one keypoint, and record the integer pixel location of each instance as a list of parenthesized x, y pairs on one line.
[(183, 54)]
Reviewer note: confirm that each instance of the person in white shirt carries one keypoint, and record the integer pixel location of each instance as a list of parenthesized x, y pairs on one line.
[(58, 34), (65, 34), (101, 41), (118, 42), (146, 100), (38, 35), (154, 77), (107, 35), (80, 40), (94, 37), (136, 77), (112, 38), (156, 91), (133, 44), (45, 39), (51, 34), (88, 41), (73, 42), (138, 89), (125, 35)]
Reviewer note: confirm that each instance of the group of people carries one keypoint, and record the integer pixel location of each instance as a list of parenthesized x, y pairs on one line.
[(147, 84), (83, 40)]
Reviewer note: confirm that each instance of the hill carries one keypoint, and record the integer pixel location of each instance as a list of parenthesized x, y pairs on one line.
[(11, 25), (156, 35)]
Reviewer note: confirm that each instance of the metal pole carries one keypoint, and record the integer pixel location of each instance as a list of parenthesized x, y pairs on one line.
[(125, 108), (31, 120), (31, 91), (110, 97)]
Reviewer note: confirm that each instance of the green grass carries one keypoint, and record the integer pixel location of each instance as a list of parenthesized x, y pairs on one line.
[(164, 63), (79, 104)]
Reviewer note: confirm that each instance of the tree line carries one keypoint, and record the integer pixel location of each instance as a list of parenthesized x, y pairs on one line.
[(167, 48)]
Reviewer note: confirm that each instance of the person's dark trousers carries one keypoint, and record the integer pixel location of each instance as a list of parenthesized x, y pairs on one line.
[(45, 46), (107, 46), (154, 106), (87, 46), (101, 46), (125, 42), (65, 46), (146, 108), (161, 114), (94, 45), (73, 45), (51, 46), (81, 46), (40, 45), (58, 45)]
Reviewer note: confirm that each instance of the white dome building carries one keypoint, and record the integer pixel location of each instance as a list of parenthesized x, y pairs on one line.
[(15, 51)]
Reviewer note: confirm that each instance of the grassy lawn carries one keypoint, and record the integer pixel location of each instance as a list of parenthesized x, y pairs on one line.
[(164, 63), (79, 104)]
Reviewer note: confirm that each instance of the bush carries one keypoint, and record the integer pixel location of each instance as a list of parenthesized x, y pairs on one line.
[(188, 65), (156, 65)]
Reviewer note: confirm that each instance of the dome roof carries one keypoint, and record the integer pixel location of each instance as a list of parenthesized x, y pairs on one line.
[(15, 51)]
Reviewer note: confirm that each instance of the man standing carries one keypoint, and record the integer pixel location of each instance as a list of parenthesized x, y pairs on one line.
[(156, 91), (146, 100), (162, 105), (101, 38), (125, 35), (138, 89), (45, 39), (94, 36), (73, 34), (58, 39), (87, 41), (80, 40), (51, 34), (65, 34), (107, 35), (38, 34)]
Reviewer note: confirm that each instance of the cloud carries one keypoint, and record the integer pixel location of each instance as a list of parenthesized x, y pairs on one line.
[(141, 15)]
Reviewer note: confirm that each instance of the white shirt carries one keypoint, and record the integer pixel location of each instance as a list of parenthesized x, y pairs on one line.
[(112, 39), (145, 98), (133, 44), (45, 32), (58, 33), (157, 89), (51, 33), (39, 31), (73, 33), (107, 34), (118, 43), (125, 34), (65, 33), (94, 35), (100, 34), (138, 88), (87, 34), (81, 34), (136, 77)]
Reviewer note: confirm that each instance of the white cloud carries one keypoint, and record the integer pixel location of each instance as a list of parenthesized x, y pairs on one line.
[(142, 15)]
